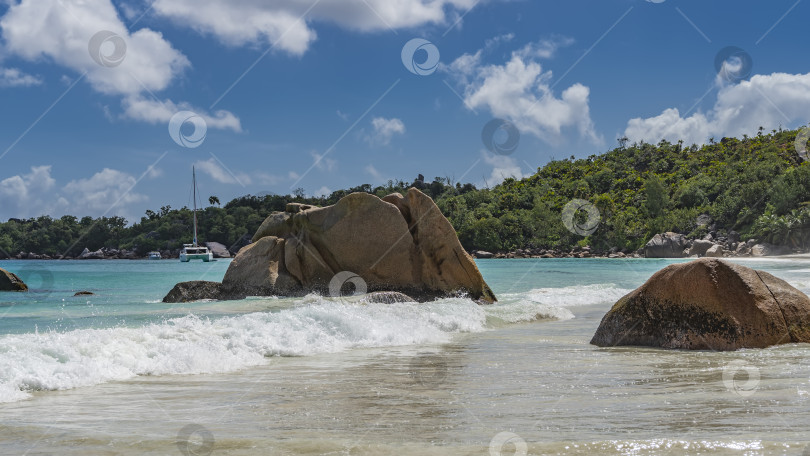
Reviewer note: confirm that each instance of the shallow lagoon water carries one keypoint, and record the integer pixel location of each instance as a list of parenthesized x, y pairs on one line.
[(123, 373)]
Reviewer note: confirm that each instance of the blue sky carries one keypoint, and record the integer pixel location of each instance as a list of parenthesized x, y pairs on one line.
[(315, 94)]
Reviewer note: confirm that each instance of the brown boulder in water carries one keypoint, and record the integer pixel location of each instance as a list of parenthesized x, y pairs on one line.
[(708, 304), (10, 282), (398, 243), (194, 291)]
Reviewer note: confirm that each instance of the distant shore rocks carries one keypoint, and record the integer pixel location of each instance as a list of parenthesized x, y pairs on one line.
[(10, 282), (708, 304), (576, 252), (393, 244), (219, 250), (666, 245)]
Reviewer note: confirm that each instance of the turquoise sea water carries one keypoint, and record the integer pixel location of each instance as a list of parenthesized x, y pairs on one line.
[(122, 373)]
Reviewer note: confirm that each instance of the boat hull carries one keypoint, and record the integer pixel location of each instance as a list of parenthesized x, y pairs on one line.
[(205, 257)]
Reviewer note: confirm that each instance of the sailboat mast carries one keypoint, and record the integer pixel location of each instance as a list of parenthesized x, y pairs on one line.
[(194, 180)]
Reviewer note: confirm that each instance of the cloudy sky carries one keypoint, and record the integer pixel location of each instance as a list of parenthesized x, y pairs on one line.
[(107, 104)]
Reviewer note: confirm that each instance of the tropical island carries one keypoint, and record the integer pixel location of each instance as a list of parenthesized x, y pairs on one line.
[(736, 192)]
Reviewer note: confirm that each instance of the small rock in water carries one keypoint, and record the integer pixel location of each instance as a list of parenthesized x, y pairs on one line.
[(10, 282), (84, 293), (388, 297)]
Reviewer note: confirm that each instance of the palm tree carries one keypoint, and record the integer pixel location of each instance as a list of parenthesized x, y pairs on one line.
[(213, 200)]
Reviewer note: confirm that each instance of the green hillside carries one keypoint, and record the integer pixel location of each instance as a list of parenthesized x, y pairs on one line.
[(758, 186)]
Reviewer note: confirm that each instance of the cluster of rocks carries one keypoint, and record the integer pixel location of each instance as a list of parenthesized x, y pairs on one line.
[(101, 254), (663, 245), (576, 252), (397, 245), (674, 245), (219, 251)]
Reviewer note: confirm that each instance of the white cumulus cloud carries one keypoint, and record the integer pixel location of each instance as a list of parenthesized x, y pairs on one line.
[(764, 100), (13, 77), (108, 191), (29, 195), (384, 130), (287, 24), (374, 173), (520, 91), (60, 31), (154, 111), (503, 167), (213, 168)]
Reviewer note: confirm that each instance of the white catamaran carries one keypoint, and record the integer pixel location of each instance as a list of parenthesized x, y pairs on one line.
[(195, 251)]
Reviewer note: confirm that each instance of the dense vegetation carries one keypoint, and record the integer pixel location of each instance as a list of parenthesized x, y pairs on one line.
[(758, 186)]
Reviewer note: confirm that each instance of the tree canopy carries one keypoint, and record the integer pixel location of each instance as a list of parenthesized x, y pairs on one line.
[(758, 186)]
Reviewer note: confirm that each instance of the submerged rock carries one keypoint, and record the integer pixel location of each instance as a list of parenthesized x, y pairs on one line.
[(387, 297), (10, 282), (194, 291), (397, 243), (708, 304)]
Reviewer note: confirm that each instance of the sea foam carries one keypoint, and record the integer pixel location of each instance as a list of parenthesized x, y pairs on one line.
[(193, 345)]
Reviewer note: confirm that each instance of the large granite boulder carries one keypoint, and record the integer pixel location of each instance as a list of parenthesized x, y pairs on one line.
[(396, 244), (666, 245), (716, 251), (219, 250), (700, 246), (760, 250), (10, 282), (708, 304)]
